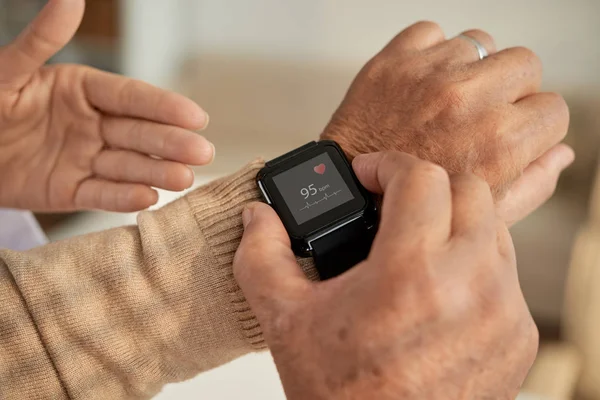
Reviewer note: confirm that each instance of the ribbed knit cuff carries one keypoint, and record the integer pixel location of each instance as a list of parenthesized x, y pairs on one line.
[(218, 209)]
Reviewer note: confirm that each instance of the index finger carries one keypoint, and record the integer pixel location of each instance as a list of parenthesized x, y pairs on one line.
[(417, 204), (121, 96)]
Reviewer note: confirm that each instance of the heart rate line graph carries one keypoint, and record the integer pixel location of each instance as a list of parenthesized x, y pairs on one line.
[(326, 197)]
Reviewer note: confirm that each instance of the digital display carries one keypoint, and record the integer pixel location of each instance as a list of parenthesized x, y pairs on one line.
[(313, 188)]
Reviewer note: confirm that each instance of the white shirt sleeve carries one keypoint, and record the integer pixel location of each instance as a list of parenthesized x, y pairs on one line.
[(20, 231)]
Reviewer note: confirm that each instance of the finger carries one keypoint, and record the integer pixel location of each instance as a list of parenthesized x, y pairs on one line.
[(416, 201), (514, 73), (483, 38), (462, 49), (417, 37), (376, 171), (125, 97), (265, 266), (164, 141), (473, 213), (98, 194), (544, 122), (51, 30), (129, 167), (536, 185)]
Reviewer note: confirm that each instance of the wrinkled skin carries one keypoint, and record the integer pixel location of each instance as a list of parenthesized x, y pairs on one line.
[(433, 98), (435, 312), (72, 137)]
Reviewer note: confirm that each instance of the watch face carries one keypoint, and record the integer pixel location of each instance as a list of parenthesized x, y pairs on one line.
[(312, 188)]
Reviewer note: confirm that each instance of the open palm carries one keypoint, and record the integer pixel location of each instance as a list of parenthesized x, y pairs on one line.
[(72, 137)]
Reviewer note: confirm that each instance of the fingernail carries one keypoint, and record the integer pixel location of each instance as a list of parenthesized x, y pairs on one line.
[(207, 121), (214, 153), (362, 158), (363, 161), (358, 160), (247, 216), (190, 177)]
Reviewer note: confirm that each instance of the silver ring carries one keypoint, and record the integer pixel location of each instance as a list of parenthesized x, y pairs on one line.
[(481, 50)]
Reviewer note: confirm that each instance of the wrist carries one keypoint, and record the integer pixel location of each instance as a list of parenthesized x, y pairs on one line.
[(352, 140)]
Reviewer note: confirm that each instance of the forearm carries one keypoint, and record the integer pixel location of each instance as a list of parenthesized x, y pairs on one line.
[(121, 313)]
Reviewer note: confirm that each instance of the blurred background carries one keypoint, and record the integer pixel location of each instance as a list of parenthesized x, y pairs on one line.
[(270, 73)]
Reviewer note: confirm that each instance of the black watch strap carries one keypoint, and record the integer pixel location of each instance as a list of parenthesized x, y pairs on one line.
[(343, 248)]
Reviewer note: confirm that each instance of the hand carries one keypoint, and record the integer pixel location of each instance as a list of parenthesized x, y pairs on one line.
[(435, 312), (72, 137), (435, 99)]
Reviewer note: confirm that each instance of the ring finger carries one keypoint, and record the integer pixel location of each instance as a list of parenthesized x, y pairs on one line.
[(463, 48), (151, 138), (130, 167)]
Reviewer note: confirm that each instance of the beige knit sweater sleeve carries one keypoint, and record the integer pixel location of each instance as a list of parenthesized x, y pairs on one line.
[(119, 314)]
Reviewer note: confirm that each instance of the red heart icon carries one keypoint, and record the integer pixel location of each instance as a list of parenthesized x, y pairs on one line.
[(320, 169)]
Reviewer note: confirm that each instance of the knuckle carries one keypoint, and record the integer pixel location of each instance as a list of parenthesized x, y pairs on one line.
[(528, 335), (478, 33), (163, 142), (533, 336), (40, 41), (429, 26), (527, 55), (376, 68), (524, 52), (127, 93), (551, 113), (415, 33)]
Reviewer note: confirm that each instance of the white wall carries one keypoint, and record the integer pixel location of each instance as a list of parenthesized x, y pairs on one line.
[(156, 38), (565, 33)]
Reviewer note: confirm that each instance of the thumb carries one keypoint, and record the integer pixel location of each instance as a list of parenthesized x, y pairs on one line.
[(49, 32), (265, 266), (536, 185)]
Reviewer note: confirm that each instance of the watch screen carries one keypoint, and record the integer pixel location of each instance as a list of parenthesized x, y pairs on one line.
[(313, 188)]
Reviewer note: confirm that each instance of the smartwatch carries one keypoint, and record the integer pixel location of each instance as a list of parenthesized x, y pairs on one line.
[(326, 211)]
